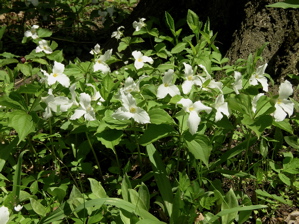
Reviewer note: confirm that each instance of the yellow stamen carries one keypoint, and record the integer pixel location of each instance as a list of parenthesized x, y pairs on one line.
[(55, 75), (133, 110)]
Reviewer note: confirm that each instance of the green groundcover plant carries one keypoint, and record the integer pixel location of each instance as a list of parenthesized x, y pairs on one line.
[(145, 133)]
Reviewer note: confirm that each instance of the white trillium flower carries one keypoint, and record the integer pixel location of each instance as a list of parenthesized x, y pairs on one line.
[(191, 79), (32, 32), (4, 215), (18, 208), (193, 109), (213, 85), (96, 95), (74, 95), (100, 64), (96, 50), (118, 34), (130, 110), (221, 107), (55, 103), (138, 25), (43, 46), (167, 87), (140, 59), (284, 106), (259, 77), (254, 101), (238, 82), (57, 75), (207, 74), (85, 109)]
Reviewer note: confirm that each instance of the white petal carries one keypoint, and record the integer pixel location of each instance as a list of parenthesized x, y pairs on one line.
[(78, 113), (141, 116), (193, 122), (199, 106), (103, 67), (4, 215), (173, 90), (208, 76), (186, 104), (254, 101), (238, 82), (90, 116), (147, 59), (187, 86), (167, 78), (137, 55), (285, 89), (85, 100), (138, 64), (63, 80), (58, 68), (287, 106), (279, 114), (188, 69), (264, 82), (162, 91), (122, 114)]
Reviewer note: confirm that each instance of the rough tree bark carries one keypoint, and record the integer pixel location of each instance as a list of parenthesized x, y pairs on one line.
[(243, 26)]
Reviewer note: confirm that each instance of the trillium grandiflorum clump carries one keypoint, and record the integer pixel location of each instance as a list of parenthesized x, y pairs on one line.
[(193, 109), (283, 105), (138, 25), (32, 32), (221, 108), (140, 59), (4, 215), (130, 110), (100, 63), (57, 75), (191, 79), (43, 46), (167, 87), (85, 108), (259, 77)]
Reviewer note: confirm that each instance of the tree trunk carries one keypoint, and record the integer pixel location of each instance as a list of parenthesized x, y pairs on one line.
[(243, 26)]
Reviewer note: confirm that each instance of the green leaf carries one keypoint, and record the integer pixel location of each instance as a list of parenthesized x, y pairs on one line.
[(56, 56), (160, 116), (22, 123), (193, 22), (162, 180), (144, 196), (155, 132), (5, 152), (230, 201), (26, 69), (284, 179), (272, 196), (286, 4), (284, 125), (125, 186), (170, 22), (38, 207), (58, 214), (199, 146), (178, 48), (2, 31), (259, 124), (97, 188), (8, 61), (43, 33), (110, 138)]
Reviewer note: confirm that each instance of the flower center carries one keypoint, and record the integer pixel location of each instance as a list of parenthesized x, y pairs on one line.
[(191, 108), (139, 59), (166, 84), (133, 110), (190, 77), (279, 101), (55, 75)]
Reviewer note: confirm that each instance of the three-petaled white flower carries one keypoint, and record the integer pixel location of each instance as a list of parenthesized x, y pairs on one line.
[(43, 46), (57, 75), (32, 32), (119, 33), (237, 85), (259, 77), (140, 59), (167, 87), (100, 63), (191, 79), (284, 106), (85, 109), (4, 215), (138, 25), (131, 110), (54, 104), (193, 109), (221, 107), (96, 50)]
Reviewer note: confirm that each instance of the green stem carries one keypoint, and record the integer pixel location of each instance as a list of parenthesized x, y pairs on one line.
[(137, 145), (96, 158)]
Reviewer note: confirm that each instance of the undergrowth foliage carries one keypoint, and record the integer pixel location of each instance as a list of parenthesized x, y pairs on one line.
[(175, 134)]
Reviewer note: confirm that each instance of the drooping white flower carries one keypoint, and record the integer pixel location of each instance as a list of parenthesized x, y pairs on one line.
[(100, 63), (167, 87), (18, 208), (191, 79), (259, 77), (130, 86), (138, 25), (96, 95), (284, 106), (43, 46), (213, 85), (119, 33), (140, 59), (207, 74), (57, 75), (32, 32), (130, 110), (74, 95), (4, 215), (238, 82), (96, 50), (54, 104), (193, 109), (85, 109), (221, 107), (254, 101)]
